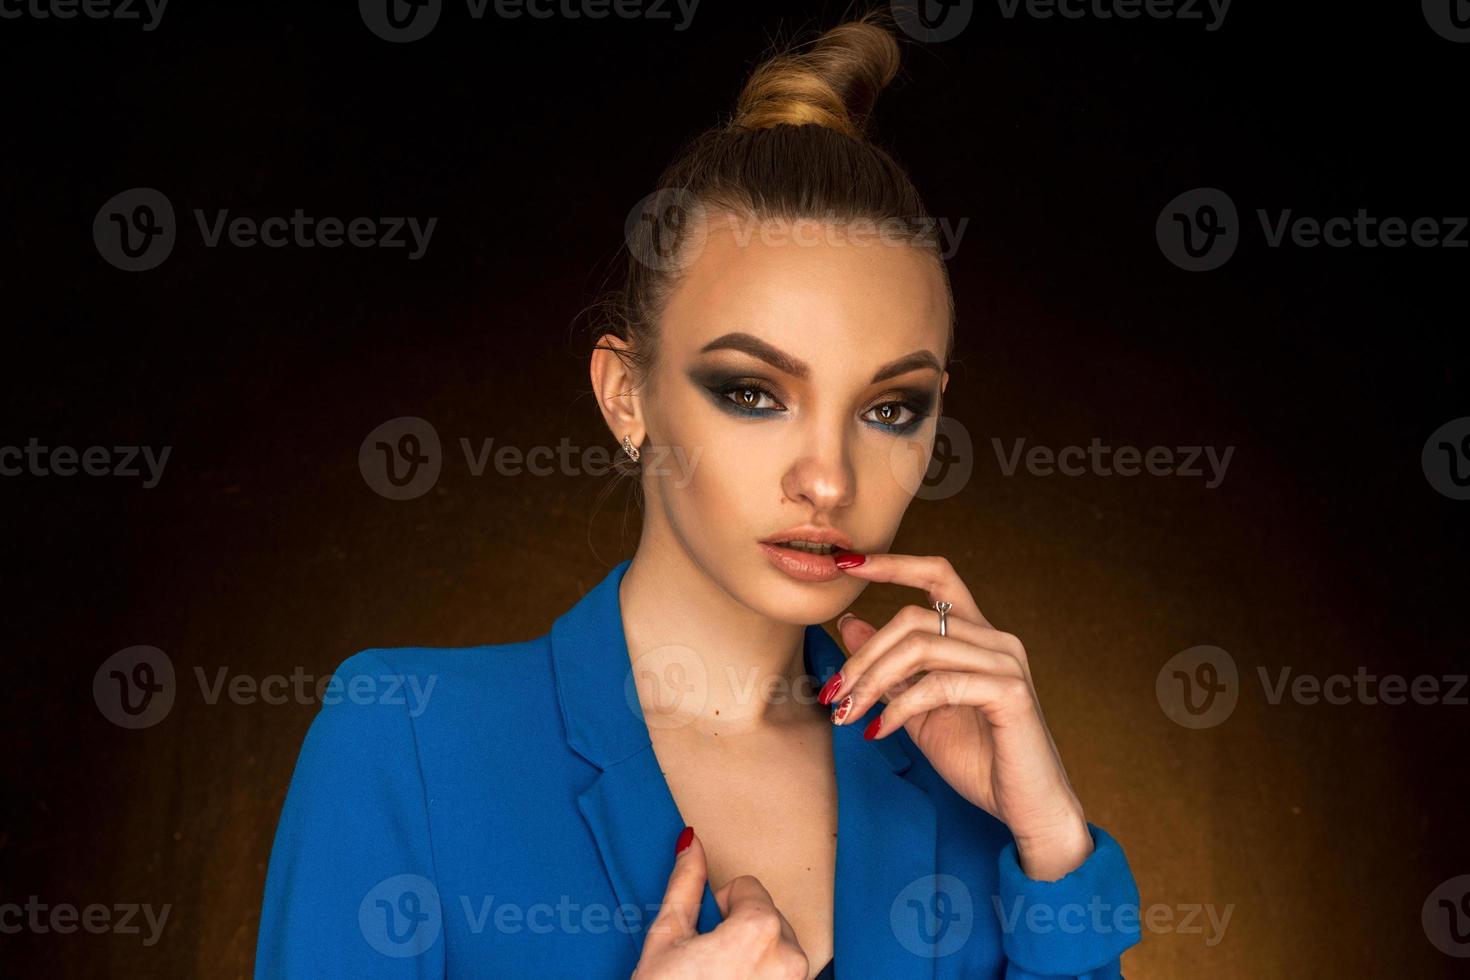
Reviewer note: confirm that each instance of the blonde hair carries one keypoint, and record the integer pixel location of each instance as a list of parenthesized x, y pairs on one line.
[(796, 147), (834, 85)]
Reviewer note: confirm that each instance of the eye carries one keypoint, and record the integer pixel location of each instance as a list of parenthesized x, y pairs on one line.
[(899, 417), (748, 398)]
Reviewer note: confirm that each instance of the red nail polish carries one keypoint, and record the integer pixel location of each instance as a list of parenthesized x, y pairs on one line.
[(843, 710), (686, 837), (829, 690), (850, 559), (872, 730)]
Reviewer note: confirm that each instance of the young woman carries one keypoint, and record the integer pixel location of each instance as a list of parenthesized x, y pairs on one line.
[(657, 787)]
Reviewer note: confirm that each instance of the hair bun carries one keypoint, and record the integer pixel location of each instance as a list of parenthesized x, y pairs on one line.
[(835, 84)]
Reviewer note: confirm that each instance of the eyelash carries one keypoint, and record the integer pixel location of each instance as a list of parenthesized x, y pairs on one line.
[(919, 410)]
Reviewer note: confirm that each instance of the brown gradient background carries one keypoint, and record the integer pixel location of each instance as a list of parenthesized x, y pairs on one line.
[(264, 551)]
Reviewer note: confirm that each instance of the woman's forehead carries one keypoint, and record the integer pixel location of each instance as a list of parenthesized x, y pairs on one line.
[(806, 290)]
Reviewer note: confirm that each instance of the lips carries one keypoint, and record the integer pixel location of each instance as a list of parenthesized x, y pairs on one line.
[(812, 535), (801, 565)]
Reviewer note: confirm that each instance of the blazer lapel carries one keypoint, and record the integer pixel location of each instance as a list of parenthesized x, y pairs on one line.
[(885, 880), (885, 900), (628, 806)]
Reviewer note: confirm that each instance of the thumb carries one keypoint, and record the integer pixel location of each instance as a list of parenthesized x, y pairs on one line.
[(679, 911), (855, 632)]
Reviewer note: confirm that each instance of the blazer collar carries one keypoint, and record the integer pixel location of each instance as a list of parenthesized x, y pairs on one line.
[(885, 889)]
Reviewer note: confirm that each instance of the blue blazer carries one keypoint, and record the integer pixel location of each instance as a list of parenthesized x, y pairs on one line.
[(498, 811)]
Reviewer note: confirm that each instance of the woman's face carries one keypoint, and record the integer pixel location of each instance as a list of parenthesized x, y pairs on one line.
[(797, 386)]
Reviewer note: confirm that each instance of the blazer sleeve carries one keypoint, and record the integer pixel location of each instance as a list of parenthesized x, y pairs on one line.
[(351, 889), (1075, 927)]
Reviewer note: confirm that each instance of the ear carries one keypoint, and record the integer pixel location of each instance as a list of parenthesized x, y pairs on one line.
[(613, 383)]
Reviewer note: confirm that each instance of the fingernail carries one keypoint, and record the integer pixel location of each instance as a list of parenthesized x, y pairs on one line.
[(872, 730), (850, 559), (830, 688), (844, 618), (843, 710), (686, 836)]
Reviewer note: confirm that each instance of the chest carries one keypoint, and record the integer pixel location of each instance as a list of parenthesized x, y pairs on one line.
[(765, 806)]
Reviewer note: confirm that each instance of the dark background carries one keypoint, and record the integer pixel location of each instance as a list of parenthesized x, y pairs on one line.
[(263, 550)]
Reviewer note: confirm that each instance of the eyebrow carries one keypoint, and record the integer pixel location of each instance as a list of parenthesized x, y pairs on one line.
[(784, 362)]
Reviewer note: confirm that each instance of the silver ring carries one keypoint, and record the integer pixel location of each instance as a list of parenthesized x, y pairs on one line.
[(943, 607)]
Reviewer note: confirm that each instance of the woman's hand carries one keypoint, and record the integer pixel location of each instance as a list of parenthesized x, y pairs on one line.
[(967, 701), (754, 940)]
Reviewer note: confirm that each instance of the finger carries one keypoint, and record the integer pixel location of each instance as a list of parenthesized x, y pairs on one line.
[(893, 671), (1006, 701), (744, 897), (744, 891), (854, 631), (909, 620), (932, 573), (679, 911)]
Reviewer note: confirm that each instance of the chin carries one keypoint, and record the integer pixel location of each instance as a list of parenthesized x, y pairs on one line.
[(786, 600)]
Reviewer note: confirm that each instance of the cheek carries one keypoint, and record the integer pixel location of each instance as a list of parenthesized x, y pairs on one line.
[(903, 463)]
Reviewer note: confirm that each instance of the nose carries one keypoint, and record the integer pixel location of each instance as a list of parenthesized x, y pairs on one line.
[(822, 476)]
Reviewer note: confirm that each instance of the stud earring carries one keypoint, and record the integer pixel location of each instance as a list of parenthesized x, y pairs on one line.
[(631, 449)]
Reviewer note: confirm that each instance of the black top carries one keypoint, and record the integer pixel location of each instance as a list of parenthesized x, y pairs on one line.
[(826, 973)]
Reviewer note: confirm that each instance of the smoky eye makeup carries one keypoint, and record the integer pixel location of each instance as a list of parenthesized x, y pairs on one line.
[(898, 411), (901, 411), (739, 394)]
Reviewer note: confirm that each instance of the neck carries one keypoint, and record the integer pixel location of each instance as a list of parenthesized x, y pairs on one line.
[(703, 661)]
